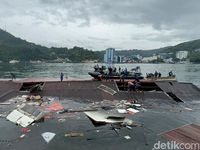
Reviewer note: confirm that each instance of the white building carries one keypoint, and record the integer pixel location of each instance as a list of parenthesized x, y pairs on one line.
[(109, 55), (181, 54), (148, 59)]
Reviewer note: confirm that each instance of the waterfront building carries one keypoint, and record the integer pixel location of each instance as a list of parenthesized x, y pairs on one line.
[(151, 58), (118, 59), (109, 55), (181, 54)]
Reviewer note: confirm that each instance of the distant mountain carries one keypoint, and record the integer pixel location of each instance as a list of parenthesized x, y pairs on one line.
[(18, 49), (193, 47), (186, 46)]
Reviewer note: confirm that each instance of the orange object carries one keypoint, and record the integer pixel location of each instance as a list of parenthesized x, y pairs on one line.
[(55, 106)]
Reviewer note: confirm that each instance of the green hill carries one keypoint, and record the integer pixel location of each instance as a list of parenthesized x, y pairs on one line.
[(18, 49), (191, 46)]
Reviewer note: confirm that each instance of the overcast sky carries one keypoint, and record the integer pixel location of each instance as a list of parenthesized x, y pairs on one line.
[(99, 24)]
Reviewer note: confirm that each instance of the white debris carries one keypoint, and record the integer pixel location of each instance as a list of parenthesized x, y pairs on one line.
[(25, 121), (24, 96), (122, 111), (48, 136), (132, 110), (14, 116), (137, 105), (107, 89), (25, 115), (127, 137), (102, 116), (19, 118), (5, 103), (22, 136), (186, 108)]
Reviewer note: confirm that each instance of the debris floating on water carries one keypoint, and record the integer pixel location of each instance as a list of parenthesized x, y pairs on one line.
[(127, 137), (74, 134), (107, 89), (48, 136)]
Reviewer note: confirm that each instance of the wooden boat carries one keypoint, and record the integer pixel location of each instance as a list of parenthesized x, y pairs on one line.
[(115, 76), (169, 78)]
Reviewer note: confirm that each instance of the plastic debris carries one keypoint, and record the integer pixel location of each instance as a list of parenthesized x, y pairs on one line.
[(122, 111), (132, 110), (129, 127), (186, 108), (22, 136), (74, 134), (33, 98), (5, 103), (61, 120), (47, 116), (107, 89), (137, 105), (55, 106), (48, 136), (127, 137), (24, 96), (105, 117), (25, 130)]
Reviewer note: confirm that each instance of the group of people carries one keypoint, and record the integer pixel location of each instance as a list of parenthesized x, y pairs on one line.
[(134, 85), (157, 74), (111, 70)]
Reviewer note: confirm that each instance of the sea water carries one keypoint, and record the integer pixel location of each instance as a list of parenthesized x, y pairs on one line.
[(183, 72)]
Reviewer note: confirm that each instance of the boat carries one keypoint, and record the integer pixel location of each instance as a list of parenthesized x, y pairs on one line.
[(157, 77), (169, 78), (100, 73)]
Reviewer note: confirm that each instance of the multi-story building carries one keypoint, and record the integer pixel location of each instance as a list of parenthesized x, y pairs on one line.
[(118, 59), (109, 55), (181, 54), (150, 58)]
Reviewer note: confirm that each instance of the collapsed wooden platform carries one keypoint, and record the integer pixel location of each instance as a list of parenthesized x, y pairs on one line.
[(171, 91)]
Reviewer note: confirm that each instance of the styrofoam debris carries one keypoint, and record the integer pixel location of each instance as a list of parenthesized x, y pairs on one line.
[(132, 110), (122, 111), (48, 136), (127, 137)]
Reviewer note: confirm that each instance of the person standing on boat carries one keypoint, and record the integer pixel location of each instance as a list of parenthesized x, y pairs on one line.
[(156, 74), (61, 76), (119, 70), (126, 72), (159, 74), (170, 74)]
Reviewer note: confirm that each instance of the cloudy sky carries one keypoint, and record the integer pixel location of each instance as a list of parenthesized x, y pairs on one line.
[(99, 24)]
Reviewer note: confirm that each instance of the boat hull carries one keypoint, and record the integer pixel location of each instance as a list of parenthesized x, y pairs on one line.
[(173, 78), (99, 76)]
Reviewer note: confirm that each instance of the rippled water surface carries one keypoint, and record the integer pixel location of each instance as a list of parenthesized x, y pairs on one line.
[(184, 72)]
